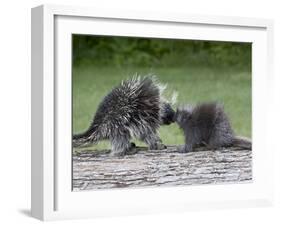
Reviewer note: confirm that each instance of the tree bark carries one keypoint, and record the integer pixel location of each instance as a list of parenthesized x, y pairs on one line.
[(99, 170)]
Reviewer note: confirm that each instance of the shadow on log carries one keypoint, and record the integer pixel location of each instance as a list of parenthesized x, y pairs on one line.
[(99, 170)]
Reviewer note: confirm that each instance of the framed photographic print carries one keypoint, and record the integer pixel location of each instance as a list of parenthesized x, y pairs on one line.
[(148, 112)]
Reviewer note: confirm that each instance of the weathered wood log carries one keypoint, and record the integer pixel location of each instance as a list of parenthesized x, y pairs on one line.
[(99, 170)]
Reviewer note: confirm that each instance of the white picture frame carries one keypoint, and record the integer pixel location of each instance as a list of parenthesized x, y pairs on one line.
[(52, 197)]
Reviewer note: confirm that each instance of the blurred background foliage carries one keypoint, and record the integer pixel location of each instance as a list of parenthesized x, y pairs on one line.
[(123, 51), (199, 71)]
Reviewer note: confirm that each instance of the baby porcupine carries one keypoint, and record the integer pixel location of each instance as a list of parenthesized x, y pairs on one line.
[(207, 124), (132, 109)]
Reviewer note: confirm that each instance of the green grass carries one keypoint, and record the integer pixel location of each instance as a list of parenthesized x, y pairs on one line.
[(232, 87)]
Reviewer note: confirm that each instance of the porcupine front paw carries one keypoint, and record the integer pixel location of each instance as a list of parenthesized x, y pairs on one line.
[(157, 146), (183, 149), (161, 146)]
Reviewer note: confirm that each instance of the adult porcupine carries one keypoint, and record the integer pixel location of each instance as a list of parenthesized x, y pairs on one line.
[(132, 109), (207, 124)]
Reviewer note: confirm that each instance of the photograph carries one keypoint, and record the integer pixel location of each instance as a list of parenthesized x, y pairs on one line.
[(155, 112)]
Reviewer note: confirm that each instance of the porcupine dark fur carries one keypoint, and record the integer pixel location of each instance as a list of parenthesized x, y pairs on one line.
[(132, 109), (207, 124)]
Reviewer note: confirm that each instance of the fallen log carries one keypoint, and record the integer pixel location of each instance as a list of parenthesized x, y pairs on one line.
[(99, 170)]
